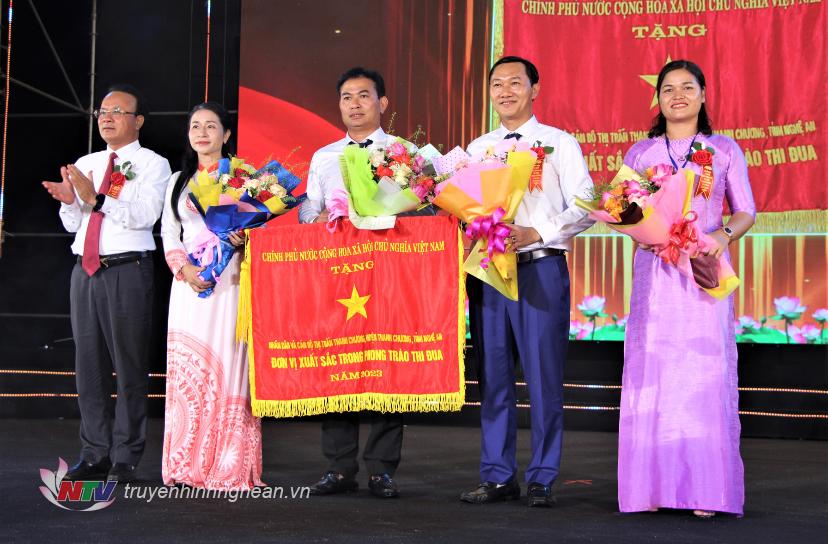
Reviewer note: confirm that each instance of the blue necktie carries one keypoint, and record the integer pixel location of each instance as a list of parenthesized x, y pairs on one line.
[(514, 135)]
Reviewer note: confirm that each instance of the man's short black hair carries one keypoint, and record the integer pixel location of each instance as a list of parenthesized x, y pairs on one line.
[(140, 102), (531, 69), (359, 71)]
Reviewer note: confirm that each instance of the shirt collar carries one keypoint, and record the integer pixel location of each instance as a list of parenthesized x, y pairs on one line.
[(376, 136), (525, 130), (126, 151)]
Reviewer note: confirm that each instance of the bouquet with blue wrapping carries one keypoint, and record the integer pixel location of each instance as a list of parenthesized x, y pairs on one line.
[(236, 197)]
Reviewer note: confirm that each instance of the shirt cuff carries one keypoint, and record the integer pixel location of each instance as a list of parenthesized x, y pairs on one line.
[(547, 229), (68, 208), (176, 259)]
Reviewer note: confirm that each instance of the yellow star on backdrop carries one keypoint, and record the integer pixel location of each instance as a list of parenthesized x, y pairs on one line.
[(652, 79), (355, 304)]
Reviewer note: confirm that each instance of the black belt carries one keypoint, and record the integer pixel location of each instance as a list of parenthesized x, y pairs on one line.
[(529, 256), (108, 261)]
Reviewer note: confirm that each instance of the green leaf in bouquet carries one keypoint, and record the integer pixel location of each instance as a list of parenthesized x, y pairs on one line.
[(359, 180)]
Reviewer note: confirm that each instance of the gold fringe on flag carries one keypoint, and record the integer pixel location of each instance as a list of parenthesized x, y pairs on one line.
[(377, 402), (244, 317), (461, 321)]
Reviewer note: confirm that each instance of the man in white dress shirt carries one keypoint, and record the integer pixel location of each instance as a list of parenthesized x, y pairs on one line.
[(111, 200), (535, 328), (362, 102)]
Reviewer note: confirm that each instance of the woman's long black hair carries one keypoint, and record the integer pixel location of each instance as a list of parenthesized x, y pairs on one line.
[(659, 121), (189, 162)]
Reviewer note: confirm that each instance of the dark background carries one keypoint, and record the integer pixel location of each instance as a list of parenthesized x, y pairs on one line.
[(157, 45)]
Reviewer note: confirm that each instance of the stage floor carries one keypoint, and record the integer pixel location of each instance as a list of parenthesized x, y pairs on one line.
[(786, 489)]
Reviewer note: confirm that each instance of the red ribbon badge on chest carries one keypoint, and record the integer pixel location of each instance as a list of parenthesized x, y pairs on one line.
[(536, 177), (120, 174), (703, 156)]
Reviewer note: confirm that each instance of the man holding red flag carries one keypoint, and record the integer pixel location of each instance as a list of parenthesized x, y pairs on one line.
[(111, 200), (537, 324), (362, 102)]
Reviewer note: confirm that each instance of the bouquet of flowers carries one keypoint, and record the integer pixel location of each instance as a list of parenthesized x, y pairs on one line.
[(654, 209), (237, 196), (384, 182), (485, 192)]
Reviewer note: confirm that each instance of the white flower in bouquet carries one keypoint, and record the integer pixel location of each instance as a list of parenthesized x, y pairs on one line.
[(251, 185), (277, 190), (377, 157), (402, 172)]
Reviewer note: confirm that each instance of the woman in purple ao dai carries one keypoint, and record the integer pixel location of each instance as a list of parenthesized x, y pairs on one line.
[(679, 426)]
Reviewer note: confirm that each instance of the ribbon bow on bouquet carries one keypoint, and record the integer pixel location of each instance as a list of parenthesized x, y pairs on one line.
[(206, 249), (337, 207), (683, 250), (492, 229), (683, 238)]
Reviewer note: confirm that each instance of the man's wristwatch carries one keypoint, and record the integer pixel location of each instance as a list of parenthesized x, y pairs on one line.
[(99, 201), (728, 232)]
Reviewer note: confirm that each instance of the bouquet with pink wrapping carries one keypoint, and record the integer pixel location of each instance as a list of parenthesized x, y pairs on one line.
[(654, 209), (485, 195)]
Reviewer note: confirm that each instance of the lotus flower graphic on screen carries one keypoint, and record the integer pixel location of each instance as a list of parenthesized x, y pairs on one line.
[(788, 308)]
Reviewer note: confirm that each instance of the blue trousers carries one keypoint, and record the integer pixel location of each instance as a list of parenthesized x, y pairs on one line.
[(536, 329)]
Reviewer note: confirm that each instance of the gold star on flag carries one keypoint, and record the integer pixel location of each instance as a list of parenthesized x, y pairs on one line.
[(652, 79), (355, 304)]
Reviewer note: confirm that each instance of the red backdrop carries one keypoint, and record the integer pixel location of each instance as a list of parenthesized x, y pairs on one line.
[(765, 69)]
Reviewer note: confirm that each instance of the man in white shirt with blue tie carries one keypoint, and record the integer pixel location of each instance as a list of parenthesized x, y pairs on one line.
[(362, 102), (536, 327), (111, 200)]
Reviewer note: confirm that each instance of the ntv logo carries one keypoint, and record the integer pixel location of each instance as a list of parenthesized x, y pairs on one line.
[(57, 490)]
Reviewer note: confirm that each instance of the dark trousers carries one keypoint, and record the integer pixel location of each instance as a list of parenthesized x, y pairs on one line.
[(111, 324), (340, 442), (537, 326)]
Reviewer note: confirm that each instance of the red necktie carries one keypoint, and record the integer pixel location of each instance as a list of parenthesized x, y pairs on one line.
[(91, 261)]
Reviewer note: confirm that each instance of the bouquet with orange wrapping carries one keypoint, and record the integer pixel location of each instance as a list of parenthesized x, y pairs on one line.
[(654, 209), (485, 195)]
